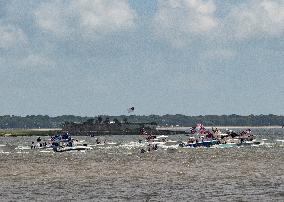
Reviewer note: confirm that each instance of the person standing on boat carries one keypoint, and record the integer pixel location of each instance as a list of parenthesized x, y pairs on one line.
[(98, 141), (33, 145)]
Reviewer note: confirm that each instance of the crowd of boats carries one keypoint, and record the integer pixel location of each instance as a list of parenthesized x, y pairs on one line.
[(196, 137), (199, 136)]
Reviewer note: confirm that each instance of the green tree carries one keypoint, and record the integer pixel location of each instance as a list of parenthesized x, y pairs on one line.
[(100, 119), (116, 121), (125, 120)]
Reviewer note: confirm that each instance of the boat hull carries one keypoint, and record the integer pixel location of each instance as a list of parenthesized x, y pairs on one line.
[(76, 148)]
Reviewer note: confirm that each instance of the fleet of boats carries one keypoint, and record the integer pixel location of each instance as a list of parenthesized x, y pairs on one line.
[(196, 137), (199, 136)]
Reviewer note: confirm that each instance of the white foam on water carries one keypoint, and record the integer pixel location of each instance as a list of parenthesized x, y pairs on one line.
[(22, 148), (22, 152), (128, 153), (132, 145), (45, 151)]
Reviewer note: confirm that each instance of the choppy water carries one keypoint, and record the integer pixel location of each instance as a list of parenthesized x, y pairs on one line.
[(121, 173)]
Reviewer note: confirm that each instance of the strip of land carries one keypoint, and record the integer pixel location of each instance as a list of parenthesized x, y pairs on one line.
[(29, 132), (52, 131)]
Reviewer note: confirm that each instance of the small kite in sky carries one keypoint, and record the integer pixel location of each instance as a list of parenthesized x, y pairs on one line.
[(131, 109)]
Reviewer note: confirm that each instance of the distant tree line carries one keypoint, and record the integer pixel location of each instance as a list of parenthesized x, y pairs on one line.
[(41, 121)]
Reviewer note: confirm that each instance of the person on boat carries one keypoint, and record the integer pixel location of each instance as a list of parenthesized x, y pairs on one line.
[(214, 130), (149, 148), (74, 142), (142, 150), (97, 141), (38, 145), (209, 135), (150, 137), (66, 136), (155, 147), (191, 140), (33, 145), (69, 143)]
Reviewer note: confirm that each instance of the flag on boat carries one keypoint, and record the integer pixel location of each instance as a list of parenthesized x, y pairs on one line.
[(201, 128), (202, 131), (131, 109)]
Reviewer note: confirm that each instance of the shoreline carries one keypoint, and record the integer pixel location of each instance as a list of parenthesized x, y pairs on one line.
[(51, 131), (55, 129), (28, 132)]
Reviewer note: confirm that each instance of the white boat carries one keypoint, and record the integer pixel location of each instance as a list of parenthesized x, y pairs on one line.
[(105, 144), (162, 140), (20, 147), (63, 143), (74, 148)]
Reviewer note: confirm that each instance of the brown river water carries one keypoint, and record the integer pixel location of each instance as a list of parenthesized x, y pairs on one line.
[(120, 173)]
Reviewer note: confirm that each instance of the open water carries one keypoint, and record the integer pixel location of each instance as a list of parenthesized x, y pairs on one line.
[(122, 173)]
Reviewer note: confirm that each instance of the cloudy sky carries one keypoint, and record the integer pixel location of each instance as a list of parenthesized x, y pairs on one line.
[(90, 57)]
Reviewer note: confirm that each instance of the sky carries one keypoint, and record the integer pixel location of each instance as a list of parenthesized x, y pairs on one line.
[(93, 57)]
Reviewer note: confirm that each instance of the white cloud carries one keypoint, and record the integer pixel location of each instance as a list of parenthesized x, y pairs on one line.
[(34, 60), (256, 19), (52, 17), (180, 21), (219, 54), (29, 61), (106, 16), (183, 21), (84, 17), (11, 36)]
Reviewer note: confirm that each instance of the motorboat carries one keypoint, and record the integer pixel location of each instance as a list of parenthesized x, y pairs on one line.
[(162, 140), (63, 143)]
